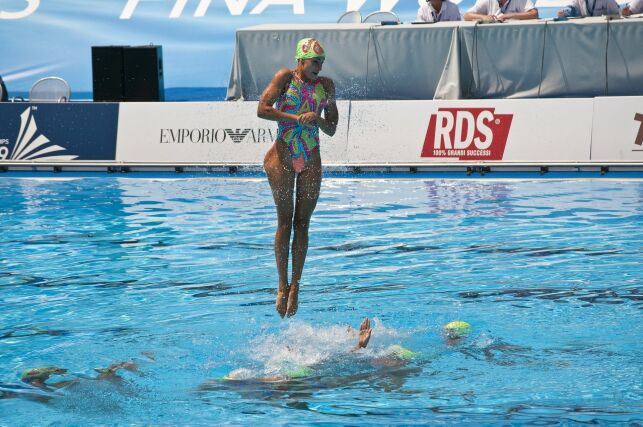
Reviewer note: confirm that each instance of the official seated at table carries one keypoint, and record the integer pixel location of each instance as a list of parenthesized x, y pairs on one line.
[(501, 10), (635, 7), (438, 11), (582, 8)]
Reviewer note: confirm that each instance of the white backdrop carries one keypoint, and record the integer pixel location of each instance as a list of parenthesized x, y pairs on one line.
[(615, 129)]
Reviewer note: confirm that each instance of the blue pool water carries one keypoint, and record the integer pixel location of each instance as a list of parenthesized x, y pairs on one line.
[(178, 276)]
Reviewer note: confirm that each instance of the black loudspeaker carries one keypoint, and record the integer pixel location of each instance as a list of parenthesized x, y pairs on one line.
[(124, 73), (107, 73), (4, 96), (143, 73)]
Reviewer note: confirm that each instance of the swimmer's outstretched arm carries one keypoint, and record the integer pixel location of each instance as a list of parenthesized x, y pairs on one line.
[(364, 334)]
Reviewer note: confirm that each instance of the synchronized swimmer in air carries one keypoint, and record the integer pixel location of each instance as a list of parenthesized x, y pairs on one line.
[(302, 103)]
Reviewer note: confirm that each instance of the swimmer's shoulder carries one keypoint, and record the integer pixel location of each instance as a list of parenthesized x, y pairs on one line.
[(283, 76), (278, 85)]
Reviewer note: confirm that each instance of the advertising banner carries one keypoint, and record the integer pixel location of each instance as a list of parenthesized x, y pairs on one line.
[(217, 132), (552, 130), (617, 133), (57, 132), (369, 132)]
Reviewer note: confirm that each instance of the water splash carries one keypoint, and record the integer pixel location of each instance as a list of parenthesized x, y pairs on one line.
[(304, 345)]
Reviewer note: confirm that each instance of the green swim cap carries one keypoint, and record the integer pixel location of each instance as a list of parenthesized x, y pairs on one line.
[(299, 372), (401, 352), (41, 373), (457, 329), (308, 49)]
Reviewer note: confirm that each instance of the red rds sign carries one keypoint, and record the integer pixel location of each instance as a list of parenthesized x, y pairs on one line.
[(467, 134)]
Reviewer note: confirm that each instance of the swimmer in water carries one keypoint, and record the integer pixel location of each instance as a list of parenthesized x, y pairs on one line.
[(455, 331), (492, 350), (296, 100), (393, 356), (37, 383), (38, 377)]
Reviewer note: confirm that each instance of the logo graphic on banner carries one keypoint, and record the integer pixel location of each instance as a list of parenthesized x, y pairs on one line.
[(236, 7), (31, 145), (639, 137), (467, 134), (30, 7), (220, 135), (237, 135)]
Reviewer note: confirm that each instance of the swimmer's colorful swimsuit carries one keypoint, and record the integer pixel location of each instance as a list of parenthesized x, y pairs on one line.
[(299, 98)]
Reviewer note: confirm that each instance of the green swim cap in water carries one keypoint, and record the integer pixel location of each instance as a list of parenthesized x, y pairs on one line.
[(299, 372), (401, 352), (42, 373), (457, 329), (308, 49)]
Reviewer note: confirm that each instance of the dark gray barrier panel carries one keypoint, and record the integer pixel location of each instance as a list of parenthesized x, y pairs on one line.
[(366, 61), (262, 50), (625, 58), (406, 64), (501, 60), (580, 58), (575, 59), (50, 132)]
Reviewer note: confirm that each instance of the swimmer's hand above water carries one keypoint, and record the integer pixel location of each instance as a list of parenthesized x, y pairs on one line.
[(364, 334)]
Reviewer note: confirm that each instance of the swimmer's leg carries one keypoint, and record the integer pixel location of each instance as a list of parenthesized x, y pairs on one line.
[(281, 177), (112, 371), (308, 185)]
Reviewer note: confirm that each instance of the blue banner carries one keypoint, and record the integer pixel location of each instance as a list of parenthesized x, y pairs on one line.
[(43, 38), (58, 132)]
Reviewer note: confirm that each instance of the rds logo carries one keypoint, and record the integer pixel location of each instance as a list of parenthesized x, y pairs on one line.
[(467, 134)]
